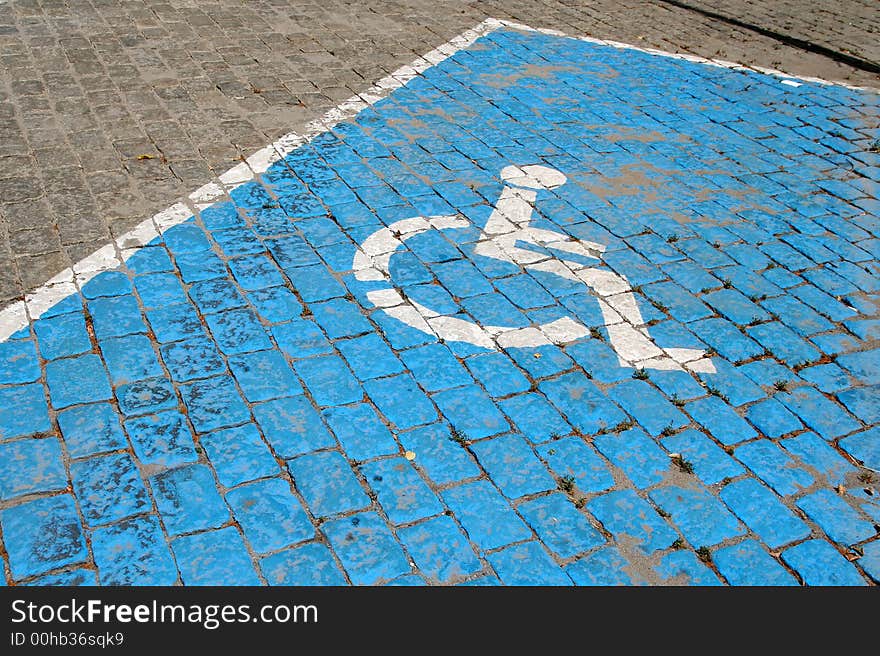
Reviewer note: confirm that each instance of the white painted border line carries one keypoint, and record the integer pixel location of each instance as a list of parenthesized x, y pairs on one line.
[(19, 314)]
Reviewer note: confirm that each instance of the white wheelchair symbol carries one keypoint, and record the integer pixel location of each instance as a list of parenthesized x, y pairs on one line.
[(502, 238)]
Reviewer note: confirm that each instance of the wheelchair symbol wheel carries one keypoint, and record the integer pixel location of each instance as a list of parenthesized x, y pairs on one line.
[(506, 237)]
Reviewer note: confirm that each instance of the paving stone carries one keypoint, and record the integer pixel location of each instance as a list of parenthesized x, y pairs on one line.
[(327, 483), (42, 534), (624, 514), (510, 564), (836, 517), (684, 568), (133, 552), (486, 515), (367, 549), (309, 564), (764, 513), (162, 439), (292, 426), (571, 456), (818, 563), (402, 493), (214, 558), (604, 567), (188, 500), (270, 515), (440, 549), (636, 454), (513, 466), (748, 563), (442, 459), (29, 466), (560, 526), (109, 488), (710, 463), (239, 455), (699, 515)]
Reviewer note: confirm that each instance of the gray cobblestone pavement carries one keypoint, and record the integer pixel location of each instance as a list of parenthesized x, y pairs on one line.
[(110, 111)]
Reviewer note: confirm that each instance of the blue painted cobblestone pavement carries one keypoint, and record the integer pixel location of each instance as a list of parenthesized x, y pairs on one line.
[(232, 407)]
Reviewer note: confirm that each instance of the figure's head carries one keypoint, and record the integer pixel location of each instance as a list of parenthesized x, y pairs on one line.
[(532, 176)]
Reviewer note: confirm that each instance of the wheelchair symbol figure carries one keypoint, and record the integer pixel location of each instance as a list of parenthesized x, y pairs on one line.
[(503, 238)]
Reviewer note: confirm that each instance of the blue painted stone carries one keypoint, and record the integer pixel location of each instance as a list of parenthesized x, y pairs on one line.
[(301, 339), (442, 459), (864, 447), (116, 316), (764, 513), (66, 578), (215, 296), (186, 238), (836, 517), (435, 367), (62, 336), (440, 550), (292, 426), (768, 372), (162, 439), (18, 362), (152, 259), (175, 322), (31, 465), (91, 429), (863, 402), (269, 514), (214, 558), (783, 343), (870, 561), (711, 464), (827, 377), (401, 401), (159, 289), (487, 517), (772, 419), (239, 455), (818, 563), (513, 466), (275, 304), (647, 406), (581, 402), (728, 380), (32, 415), (107, 283), (624, 513), (367, 549), (677, 385), (684, 568), (748, 563), (734, 306), (329, 381), (701, 517), (188, 500), (527, 564), (309, 564), (774, 467), (401, 492), (133, 552), (253, 272), (214, 403), (726, 339), (864, 365), (341, 318), (599, 361), (571, 456), (196, 357), (604, 567), (327, 483), (640, 458), (72, 381), (542, 361), (560, 526), (314, 283), (369, 357), (498, 375), (815, 452), (130, 358), (264, 375), (722, 421), (533, 416), (238, 331), (360, 432), (471, 411), (825, 417), (41, 535), (145, 396), (109, 488)]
